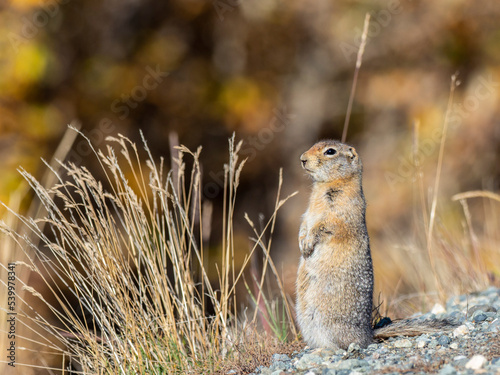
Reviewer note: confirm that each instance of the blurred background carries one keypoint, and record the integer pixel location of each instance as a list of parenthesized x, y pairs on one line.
[(278, 74)]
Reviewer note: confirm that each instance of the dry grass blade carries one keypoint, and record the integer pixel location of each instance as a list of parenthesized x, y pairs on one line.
[(476, 194), (432, 214), (359, 60)]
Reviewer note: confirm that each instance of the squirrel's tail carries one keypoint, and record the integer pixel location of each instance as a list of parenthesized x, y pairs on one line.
[(413, 327)]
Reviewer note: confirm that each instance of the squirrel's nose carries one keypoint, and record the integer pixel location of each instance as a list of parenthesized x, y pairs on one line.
[(303, 160)]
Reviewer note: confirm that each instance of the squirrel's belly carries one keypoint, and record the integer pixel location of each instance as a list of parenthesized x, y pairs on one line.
[(331, 309)]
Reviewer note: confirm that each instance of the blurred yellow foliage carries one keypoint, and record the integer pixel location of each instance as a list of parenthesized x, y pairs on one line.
[(26, 68), (41, 122), (166, 49), (245, 104), (240, 96), (24, 4)]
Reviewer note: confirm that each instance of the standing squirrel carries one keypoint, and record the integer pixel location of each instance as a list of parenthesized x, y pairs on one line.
[(335, 275)]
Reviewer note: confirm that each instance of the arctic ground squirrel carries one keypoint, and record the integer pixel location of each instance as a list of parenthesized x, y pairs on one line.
[(335, 275)]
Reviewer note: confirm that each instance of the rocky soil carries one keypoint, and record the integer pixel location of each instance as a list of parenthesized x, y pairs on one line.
[(473, 347)]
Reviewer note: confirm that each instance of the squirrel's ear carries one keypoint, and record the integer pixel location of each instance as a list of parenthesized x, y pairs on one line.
[(352, 153)]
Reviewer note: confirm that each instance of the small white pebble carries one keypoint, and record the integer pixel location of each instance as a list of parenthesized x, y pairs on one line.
[(403, 343), (476, 362), (353, 347), (438, 309), (469, 325), (421, 344), (454, 345), (461, 330)]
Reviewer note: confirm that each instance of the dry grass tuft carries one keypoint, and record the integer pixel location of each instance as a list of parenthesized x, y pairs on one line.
[(129, 250), (257, 350)]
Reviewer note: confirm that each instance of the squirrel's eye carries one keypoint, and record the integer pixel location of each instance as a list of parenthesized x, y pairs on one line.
[(330, 151)]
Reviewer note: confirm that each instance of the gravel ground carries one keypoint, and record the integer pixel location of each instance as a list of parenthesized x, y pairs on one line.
[(471, 348)]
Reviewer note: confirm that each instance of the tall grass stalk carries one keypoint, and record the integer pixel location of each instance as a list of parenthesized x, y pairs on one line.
[(359, 60), (124, 262), (432, 214)]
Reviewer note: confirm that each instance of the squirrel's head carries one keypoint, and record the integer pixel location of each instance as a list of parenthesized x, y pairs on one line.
[(331, 160)]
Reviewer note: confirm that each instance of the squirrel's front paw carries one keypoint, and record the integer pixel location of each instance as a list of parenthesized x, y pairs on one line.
[(308, 242), (307, 246)]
